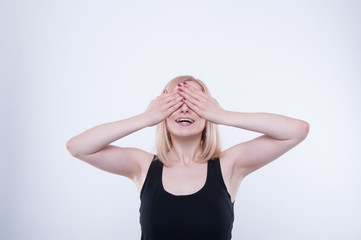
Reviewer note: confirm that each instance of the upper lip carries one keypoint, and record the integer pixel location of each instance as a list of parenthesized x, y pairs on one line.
[(184, 118)]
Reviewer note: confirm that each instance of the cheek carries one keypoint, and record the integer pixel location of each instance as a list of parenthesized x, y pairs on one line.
[(167, 121), (202, 123)]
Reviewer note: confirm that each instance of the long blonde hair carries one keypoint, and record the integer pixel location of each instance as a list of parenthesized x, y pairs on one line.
[(210, 140)]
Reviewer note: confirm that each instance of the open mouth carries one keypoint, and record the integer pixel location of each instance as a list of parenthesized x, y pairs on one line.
[(184, 121)]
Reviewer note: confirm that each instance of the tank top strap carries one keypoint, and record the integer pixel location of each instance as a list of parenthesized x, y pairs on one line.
[(153, 178), (216, 174)]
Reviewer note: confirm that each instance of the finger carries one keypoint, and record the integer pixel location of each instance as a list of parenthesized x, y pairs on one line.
[(187, 93), (174, 107), (192, 106), (185, 84), (189, 97), (174, 101), (195, 92), (168, 97)]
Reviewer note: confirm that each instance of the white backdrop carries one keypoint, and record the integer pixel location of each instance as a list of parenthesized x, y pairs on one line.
[(69, 65)]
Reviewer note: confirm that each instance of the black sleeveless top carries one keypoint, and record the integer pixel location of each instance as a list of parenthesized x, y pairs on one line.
[(207, 214)]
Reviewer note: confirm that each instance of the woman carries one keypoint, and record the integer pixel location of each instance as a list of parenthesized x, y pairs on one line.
[(188, 189)]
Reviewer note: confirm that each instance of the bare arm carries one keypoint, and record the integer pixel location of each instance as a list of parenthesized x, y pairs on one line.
[(280, 133), (274, 125), (93, 145), (98, 137)]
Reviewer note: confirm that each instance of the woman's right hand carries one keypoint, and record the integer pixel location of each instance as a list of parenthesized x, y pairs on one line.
[(162, 106)]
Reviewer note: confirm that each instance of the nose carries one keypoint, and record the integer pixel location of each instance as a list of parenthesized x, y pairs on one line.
[(184, 108)]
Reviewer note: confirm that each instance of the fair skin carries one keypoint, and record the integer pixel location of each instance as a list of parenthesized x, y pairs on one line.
[(186, 175)]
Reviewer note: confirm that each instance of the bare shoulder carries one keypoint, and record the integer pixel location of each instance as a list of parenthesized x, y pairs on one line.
[(230, 157)]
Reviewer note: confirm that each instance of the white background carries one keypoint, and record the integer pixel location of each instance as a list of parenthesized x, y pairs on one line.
[(69, 65)]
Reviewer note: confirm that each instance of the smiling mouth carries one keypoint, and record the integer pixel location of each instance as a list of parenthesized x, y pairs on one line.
[(184, 120)]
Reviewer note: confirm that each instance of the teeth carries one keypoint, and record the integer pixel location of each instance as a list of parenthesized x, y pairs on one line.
[(184, 120)]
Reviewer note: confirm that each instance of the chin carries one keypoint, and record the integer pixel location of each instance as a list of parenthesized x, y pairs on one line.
[(186, 135), (186, 132)]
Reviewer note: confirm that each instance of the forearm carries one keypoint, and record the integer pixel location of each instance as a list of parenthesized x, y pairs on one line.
[(274, 125), (96, 138)]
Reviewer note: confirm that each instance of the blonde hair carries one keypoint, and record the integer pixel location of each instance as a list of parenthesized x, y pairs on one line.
[(210, 140)]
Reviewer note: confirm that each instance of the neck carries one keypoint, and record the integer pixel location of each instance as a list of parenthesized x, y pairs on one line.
[(185, 151)]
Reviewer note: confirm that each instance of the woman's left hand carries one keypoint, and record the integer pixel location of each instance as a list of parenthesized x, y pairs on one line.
[(202, 104)]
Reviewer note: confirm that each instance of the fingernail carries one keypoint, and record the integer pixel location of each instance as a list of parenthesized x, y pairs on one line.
[(179, 85), (180, 90), (184, 82)]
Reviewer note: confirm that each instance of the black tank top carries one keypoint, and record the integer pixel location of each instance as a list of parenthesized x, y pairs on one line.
[(207, 214)]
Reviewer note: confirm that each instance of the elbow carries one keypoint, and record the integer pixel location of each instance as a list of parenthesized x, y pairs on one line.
[(302, 130), (71, 146)]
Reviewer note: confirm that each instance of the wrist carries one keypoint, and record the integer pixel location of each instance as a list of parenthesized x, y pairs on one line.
[(148, 119), (221, 117)]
